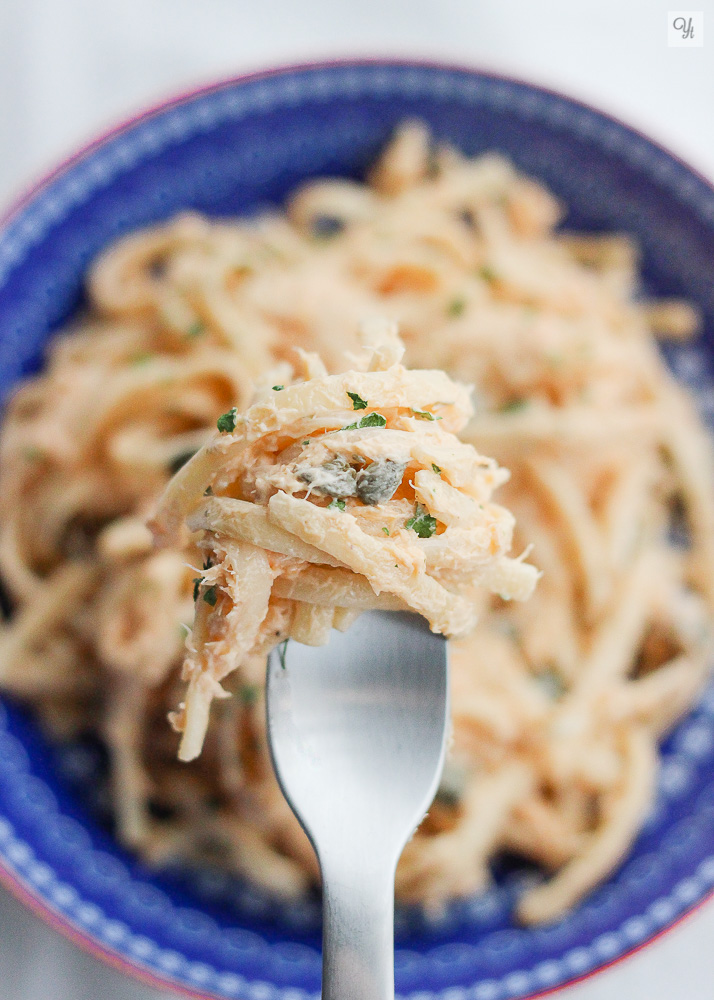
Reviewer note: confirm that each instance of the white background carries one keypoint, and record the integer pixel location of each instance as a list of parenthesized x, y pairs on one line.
[(70, 68)]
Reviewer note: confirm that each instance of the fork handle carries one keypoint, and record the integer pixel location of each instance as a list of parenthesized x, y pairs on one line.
[(358, 932)]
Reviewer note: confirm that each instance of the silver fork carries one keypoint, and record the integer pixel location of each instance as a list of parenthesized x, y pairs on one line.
[(357, 732)]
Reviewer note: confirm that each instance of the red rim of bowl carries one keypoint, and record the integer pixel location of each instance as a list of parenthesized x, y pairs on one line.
[(9, 879), (91, 946)]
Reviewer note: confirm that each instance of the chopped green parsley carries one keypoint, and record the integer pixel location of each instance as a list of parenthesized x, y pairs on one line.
[(487, 273), (369, 420), (456, 307), (248, 694), (424, 524), (278, 387), (385, 530), (141, 358), (226, 423), (195, 330), (436, 468), (325, 227), (513, 406), (550, 683), (336, 505), (373, 420), (210, 596), (425, 415), (357, 402)]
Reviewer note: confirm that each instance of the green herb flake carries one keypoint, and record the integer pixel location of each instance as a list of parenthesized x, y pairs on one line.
[(456, 307), (385, 530), (425, 415), (487, 273), (141, 358), (226, 423), (305, 444), (513, 406), (373, 420), (208, 492), (33, 454), (370, 420), (550, 683), (336, 505), (436, 468), (197, 581), (278, 388), (325, 227), (210, 596), (196, 329), (282, 650), (357, 402), (249, 694), (422, 523)]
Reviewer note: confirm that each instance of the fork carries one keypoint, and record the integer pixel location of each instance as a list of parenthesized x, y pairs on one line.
[(357, 731)]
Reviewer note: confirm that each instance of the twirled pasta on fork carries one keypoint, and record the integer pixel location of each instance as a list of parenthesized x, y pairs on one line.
[(330, 496)]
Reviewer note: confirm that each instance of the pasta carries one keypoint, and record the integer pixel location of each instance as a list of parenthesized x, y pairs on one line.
[(558, 702), (302, 471)]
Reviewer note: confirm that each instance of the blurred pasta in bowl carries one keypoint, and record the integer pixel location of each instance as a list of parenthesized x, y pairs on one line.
[(236, 385)]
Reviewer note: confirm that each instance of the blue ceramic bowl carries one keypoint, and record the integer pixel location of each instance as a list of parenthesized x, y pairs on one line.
[(225, 151)]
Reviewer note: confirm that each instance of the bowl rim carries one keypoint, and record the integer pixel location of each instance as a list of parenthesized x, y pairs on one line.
[(90, 946), (18, 202), (26, 193)]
